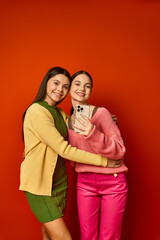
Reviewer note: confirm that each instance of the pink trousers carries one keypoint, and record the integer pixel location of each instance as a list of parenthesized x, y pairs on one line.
[(101, 203)]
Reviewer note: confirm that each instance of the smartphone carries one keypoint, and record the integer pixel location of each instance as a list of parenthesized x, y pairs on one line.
[(84, 110)]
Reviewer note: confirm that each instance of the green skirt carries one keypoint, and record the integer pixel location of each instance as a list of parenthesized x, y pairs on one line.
[(49, 208)]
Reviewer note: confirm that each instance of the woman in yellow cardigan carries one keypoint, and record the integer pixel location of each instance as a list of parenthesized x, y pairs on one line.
[(43, 172)]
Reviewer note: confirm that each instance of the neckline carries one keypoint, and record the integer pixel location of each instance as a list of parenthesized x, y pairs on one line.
[(46, 103)]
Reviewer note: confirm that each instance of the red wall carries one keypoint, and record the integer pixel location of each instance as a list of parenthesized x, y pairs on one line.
[(118, 42)]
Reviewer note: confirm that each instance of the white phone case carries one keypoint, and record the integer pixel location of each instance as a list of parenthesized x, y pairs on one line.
[(84, 110)]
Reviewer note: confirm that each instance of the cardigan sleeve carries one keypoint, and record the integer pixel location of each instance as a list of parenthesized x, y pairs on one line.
[(40, 121), (105, 137)]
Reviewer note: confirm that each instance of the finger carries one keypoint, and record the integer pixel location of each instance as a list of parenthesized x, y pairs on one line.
[(86, 118), (81, 121), (118, 162), (118, 165), (78, 127), (114, 119)]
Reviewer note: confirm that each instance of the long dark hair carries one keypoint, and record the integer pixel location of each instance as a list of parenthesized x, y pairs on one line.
[(42, 89), (77, 74)]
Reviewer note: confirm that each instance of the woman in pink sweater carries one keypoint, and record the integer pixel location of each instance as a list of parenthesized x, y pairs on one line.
[(101, 192)]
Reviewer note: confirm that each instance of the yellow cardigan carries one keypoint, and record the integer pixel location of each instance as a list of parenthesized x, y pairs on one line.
[(43, 143)]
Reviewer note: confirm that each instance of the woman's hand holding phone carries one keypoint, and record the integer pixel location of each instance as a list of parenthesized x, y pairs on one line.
[(87, 126), (82, 124)]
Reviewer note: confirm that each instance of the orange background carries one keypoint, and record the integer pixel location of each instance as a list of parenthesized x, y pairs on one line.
[(118, 43)]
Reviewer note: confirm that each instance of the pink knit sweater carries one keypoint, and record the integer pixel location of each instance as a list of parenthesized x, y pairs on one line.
[(105, 139)]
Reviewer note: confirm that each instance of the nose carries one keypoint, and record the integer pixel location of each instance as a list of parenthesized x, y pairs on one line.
[(60, 88), (82, 88)]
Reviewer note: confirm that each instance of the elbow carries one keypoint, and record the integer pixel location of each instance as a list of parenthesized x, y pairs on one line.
[(121, 153), (118, 151), (115, 153)]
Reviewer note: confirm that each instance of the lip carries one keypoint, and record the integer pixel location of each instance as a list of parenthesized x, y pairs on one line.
[(80, 94), (58, 94)]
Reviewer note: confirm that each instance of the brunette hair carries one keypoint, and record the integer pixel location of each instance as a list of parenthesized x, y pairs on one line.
[(42, 89), (51, 73)]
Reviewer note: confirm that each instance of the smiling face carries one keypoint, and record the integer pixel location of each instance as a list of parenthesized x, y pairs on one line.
[(81, 89), (57, 89)]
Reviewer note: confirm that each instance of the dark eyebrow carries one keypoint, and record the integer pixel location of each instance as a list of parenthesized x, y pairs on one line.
[(88, 83), (77, 81), (80, 82), (56, 80), (60, 82)]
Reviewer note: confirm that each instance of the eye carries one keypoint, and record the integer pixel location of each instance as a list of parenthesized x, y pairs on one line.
[(88, 86), (77, 83), (55, 83), (66, 87)]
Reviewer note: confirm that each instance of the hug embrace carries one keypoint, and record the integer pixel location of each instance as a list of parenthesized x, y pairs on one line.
[(94, 146)]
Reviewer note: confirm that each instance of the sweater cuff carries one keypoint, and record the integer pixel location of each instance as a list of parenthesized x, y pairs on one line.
[(92, 133)]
